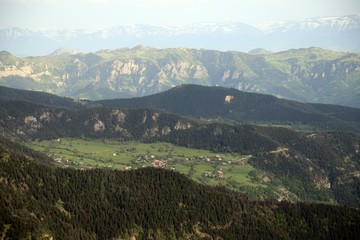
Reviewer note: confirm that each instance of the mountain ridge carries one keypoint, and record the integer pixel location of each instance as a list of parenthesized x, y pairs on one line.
[(211, 103), (307, 75), (230, 104), (235, 36)]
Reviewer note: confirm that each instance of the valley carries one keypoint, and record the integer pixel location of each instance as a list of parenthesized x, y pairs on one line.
[(102, 168), (198, 164), (179, 120), (311, 165)]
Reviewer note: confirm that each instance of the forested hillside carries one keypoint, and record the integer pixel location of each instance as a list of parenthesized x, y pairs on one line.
[(311, 166), (39, 98), (229, 104), (42, 202)]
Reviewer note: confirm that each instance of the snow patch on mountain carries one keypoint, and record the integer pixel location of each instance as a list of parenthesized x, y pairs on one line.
[(338, 24)]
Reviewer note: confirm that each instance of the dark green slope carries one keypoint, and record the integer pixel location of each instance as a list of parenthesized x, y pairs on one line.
[(38, 98), (26, 121), (40, 202), (210, 102)]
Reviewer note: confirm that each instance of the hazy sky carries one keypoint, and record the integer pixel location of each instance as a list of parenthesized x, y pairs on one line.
[(97, 14)]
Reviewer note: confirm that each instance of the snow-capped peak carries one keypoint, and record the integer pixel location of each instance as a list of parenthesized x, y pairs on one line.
[(312, 24)]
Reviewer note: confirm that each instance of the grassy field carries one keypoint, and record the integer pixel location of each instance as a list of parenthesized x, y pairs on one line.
[(201, 165)]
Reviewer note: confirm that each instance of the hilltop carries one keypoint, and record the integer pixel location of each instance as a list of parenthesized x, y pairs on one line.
[(228, 104)]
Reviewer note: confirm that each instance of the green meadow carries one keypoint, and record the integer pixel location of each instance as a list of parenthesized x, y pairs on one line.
[(201, 165)]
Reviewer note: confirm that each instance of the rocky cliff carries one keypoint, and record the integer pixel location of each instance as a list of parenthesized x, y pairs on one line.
[(310, 75)]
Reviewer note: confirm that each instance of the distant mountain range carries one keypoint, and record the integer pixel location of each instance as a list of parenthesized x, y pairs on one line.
[(336, 33), (308, 75)]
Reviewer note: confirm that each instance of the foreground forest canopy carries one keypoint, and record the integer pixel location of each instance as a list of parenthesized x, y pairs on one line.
[(43, 202)]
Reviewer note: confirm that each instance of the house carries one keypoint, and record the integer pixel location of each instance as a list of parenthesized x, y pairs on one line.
[(158, 163), (220, 174), (208, 173)]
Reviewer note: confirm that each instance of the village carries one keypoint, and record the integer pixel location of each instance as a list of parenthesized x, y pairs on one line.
[(201, 165), (215, 163)]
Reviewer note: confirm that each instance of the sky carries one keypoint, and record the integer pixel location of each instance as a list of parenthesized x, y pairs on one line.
[(99, 14)]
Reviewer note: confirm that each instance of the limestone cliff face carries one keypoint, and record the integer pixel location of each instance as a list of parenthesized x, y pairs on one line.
[(185, 70), (34, 70), (325, 70), (312, 75)]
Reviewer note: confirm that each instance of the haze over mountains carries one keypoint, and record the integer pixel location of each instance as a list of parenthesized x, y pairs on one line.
[(336, 33)]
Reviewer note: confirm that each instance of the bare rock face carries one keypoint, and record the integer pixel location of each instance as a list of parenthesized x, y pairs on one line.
[(228, 99), (45, 117), (185, 70), (155, 116), (99, 126), (151, 132), (32, 122), (182, 126), (166, 130), (120, 116), (322, 183), (129, 67)]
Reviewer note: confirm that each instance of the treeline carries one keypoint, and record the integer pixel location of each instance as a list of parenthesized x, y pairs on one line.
[(39, 201)]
